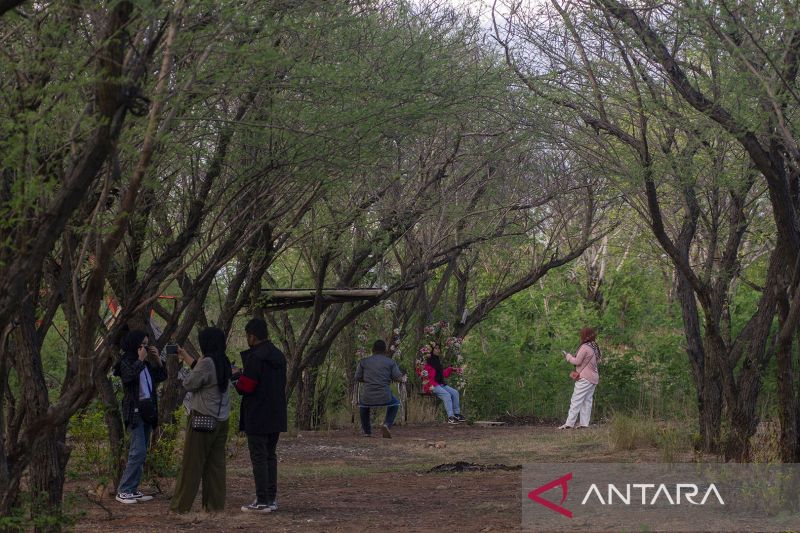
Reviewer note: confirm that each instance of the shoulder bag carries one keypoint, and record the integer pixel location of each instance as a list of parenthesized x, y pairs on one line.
[(206, 423)]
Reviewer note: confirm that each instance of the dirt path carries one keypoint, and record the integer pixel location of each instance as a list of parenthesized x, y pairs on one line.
[(338, 481)]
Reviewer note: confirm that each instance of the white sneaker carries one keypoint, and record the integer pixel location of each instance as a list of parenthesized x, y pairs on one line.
[(564, 427), (256, 507), (124, 497)]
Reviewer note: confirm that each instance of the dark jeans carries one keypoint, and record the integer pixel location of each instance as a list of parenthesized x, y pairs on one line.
[(265, 465), (391, 412)]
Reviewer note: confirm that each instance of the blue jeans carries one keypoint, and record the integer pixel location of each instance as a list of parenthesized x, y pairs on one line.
[(140, 436), (391, 412), (449, 397)]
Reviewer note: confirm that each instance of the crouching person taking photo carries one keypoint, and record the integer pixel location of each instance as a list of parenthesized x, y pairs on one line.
[(207, 430)]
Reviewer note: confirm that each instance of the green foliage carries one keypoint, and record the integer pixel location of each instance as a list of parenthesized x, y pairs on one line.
[(164, 457), (516, 365), (21, 519), (91, 455), (236, 402)]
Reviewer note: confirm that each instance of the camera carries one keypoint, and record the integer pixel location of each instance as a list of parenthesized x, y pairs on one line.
[(171, 349)]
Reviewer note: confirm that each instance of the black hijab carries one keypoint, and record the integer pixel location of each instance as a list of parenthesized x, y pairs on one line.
[(131, 343), (212, 344), (129, 348)]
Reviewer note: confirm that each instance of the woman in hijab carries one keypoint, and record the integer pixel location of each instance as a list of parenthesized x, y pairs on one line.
[(141, 370), (204, 447), (586, 376)]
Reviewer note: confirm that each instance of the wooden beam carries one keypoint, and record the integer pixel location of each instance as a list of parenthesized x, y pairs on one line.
[(272, 294)]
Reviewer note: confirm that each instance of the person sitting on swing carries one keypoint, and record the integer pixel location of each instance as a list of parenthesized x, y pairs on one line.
[(377, 372), (433, 376)]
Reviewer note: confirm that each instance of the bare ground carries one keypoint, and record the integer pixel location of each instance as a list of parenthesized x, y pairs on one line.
[(339, 481)]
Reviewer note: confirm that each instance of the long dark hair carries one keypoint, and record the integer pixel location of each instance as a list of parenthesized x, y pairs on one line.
[(212, 344), (436, 363)]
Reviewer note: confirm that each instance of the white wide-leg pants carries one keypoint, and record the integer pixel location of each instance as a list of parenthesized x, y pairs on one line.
[(581, 403)]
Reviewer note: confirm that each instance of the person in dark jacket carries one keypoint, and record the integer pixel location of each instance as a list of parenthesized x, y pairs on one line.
[(262, 384), (141, 370), (377, 372)]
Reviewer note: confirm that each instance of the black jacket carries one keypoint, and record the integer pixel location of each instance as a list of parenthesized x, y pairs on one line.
[(128, 370), (262, 385)]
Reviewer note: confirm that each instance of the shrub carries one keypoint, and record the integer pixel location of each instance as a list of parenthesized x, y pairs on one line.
[(88, 435), (165, 454)]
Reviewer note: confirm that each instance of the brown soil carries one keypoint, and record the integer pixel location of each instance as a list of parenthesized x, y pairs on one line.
[(339, 481)]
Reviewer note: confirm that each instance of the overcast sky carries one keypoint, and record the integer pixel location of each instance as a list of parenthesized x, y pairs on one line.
[(484, 7)]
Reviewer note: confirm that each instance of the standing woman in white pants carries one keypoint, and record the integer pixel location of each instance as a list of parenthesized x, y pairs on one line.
[(585, 362)]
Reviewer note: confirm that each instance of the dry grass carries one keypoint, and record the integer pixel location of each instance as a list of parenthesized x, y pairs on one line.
[(766, 443), (506, 445), (630, 433)]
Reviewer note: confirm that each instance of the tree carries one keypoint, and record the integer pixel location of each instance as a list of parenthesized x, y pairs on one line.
[(664, 129)]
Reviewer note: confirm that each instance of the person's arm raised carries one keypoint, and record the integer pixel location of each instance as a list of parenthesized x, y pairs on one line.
[(199, 376), (577, 359)]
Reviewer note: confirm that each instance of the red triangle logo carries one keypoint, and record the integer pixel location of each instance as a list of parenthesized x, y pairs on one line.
[(560, 482)]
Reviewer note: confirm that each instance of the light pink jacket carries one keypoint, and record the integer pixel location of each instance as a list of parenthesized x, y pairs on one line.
[(586, 363)]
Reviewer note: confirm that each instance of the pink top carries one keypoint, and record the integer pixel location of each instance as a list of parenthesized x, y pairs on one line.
[(429, 381), (586, 362)]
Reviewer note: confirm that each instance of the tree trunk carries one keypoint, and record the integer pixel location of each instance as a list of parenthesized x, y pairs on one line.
[(704, 370), (742, 408), (787, 401), (47, 475), (113, 420), (595, 260), (743, 426), (172, 392), (710, 405), (48, 448), (307, 415), (9, 484)]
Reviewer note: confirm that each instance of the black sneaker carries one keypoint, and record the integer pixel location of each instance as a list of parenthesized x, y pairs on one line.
[(452, 420), (141, 497), (460, 418), (256, 507)]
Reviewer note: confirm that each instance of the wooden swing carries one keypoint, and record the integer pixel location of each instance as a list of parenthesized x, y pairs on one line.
[(282, 299)]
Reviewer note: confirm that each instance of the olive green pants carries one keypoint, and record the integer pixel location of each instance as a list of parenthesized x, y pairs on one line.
[(203, 460)]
